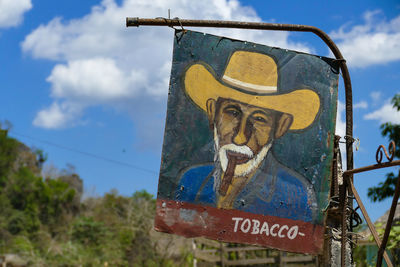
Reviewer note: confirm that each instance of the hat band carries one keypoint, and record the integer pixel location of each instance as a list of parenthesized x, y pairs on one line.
[(250, 86)]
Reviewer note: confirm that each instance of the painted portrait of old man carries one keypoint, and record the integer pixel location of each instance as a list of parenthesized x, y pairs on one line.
[(248, 143)]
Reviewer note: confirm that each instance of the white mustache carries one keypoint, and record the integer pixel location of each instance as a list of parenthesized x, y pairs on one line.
[(223, 157), (245, 150), (241, 169)]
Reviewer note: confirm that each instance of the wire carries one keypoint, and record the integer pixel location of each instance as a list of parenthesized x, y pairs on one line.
[(86, 153)]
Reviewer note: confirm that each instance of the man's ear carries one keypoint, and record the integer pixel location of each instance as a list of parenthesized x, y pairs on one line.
[(211, 106), (283, 124)]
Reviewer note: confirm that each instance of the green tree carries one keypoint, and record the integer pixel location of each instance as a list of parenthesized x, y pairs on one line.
[(45, 221), (386, 189), (8, 155), (88, 231), (28, 202)]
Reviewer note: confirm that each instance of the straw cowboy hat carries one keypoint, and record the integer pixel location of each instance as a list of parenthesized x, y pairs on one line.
[(251, 78)]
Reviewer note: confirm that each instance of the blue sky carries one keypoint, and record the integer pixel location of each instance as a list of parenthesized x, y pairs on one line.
[(92, 93)]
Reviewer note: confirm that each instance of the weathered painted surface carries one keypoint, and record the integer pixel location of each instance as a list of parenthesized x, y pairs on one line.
[(248, 143)]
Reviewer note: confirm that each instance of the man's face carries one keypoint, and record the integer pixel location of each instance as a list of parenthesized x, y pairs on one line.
[(244, 130), (243, 124)]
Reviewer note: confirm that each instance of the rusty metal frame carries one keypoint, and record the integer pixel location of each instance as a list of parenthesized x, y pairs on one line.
[(136, 22), (347, 174)]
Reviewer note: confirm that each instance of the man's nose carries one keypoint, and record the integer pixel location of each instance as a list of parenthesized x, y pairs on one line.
[(243, 134)]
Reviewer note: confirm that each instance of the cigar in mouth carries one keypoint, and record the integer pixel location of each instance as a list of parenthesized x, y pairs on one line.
[(227, 178)]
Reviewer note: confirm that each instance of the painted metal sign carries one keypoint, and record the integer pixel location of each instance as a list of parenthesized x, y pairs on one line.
[(248, 143)]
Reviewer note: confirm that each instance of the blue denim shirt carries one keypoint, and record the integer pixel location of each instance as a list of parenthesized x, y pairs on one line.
[(273, 190)]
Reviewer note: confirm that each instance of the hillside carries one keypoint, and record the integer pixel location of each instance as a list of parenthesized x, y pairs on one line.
[(45, 222)]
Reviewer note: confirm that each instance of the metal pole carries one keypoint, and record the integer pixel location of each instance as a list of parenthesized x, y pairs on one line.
[(136, 22)]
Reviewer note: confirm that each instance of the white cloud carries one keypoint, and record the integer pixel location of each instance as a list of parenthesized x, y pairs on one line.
[(340, 122), (12, 12), (57, 115), (385, 114), (94, 80), (377, 41), (361, 104), (341, 129), (376, 96), (101, 62)]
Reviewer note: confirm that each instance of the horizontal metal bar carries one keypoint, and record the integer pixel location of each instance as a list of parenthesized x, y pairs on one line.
[(136, 22), (372, 167)]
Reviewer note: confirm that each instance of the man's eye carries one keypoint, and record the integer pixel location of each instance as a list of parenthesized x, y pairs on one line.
[(232, 112), (260, 119)]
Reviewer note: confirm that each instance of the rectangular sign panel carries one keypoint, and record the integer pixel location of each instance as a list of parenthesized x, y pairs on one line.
[(248, 143)]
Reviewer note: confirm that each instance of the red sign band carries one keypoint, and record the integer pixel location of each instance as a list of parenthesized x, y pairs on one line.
[(192, 220)]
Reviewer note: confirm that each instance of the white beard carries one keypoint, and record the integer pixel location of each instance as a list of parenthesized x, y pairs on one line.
[(240, 169)]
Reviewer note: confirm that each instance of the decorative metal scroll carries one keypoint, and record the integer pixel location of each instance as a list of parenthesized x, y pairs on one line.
[(379, 153)]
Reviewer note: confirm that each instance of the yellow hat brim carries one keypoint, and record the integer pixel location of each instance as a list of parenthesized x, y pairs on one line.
[(302, 104)]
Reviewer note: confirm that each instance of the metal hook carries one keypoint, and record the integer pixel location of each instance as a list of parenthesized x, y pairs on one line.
[(180, 23)]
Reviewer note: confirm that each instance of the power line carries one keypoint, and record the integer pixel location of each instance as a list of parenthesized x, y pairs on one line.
[(86, 153)]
